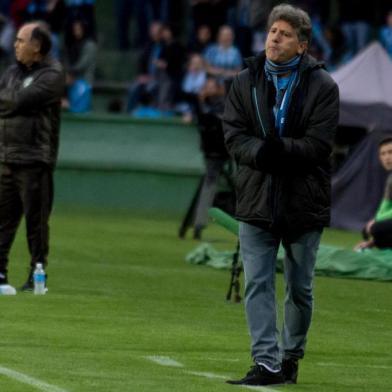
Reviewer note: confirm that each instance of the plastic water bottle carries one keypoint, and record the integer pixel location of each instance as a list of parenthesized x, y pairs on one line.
[(39, 280)]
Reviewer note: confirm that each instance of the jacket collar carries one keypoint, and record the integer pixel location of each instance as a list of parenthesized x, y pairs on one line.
[(35, 66)]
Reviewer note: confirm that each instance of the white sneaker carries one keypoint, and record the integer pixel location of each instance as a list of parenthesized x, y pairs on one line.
[(7, 289)]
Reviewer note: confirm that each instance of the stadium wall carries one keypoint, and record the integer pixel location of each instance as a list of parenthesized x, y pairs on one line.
[(118, 162)]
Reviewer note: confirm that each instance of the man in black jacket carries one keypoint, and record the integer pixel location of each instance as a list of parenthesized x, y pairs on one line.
[(30, 95), (279, 123)]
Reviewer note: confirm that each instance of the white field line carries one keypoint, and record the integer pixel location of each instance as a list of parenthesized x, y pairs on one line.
[(331, 364), (261, 389), (208, 375), (25, 379), (166, 361), (221, 359)]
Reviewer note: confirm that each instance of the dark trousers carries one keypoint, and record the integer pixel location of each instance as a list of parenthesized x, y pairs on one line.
[(25, 191), (382, 233)]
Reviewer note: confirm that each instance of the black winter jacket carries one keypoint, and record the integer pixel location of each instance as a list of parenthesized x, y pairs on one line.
[(282, 184), (30, 113)]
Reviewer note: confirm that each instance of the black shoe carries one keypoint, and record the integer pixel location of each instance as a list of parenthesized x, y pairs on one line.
[(3, 278), (259, 375), (290, 371), (29, 285)]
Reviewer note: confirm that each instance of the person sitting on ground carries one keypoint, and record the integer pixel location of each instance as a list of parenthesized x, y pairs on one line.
[(378, 231)]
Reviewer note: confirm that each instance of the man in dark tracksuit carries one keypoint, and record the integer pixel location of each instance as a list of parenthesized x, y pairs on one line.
[(30, 96), (279, 123)]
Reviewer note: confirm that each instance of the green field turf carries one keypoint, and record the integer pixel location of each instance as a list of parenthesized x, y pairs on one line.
[(121, 297)]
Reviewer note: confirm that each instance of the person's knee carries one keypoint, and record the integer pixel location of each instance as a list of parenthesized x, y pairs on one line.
[(300, 294)]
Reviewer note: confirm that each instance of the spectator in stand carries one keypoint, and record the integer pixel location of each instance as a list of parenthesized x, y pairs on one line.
[(239, 19), (202, 41), (386, 34), (195, 76), (37, 10), (318, 12), (339, 53), (7, 34), (170, 65), (18, 12), (193, 82), (146, 81), (378, 231), (223, 59), (81, 64), (259, 11), (144, 12), (355, 19), (81, 53), (81, 10)]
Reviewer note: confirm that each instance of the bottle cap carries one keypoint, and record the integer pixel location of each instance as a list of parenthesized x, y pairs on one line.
[(39, 265)]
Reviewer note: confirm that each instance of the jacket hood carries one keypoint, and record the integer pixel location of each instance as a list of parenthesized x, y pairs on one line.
[(256, 63)]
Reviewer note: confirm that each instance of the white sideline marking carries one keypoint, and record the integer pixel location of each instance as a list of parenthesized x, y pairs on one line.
[(164, 361), (25, 379), (220, 377), (167, 361), (221, 359), (209, 375), (260, 388), (331, 364)]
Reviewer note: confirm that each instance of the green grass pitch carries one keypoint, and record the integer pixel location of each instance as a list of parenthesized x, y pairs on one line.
[(121, 297)]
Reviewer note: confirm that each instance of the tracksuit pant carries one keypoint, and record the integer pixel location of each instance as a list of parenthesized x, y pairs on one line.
[(25, 190)]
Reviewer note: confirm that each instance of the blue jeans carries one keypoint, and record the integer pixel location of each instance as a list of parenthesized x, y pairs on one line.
[(259, 250)]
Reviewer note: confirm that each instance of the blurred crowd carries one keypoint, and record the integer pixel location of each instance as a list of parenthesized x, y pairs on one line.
[(73, 30), (175, 76), (182, 66)]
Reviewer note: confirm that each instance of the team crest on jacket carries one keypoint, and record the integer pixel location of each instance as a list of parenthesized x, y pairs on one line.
[(28, 81)]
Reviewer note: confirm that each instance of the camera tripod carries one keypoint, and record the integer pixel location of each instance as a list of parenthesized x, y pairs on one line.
[(207, 195)]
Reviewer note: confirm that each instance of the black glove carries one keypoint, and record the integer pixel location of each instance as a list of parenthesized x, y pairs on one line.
[(269, 152)]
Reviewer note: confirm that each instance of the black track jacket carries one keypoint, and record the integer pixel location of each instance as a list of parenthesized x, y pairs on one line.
[(30, 113), (282, 184)]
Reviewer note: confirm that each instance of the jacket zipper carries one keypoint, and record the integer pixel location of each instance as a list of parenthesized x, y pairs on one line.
[(264, 134)]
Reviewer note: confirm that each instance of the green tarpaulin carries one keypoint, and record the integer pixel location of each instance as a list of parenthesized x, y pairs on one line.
[(331, 261)]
